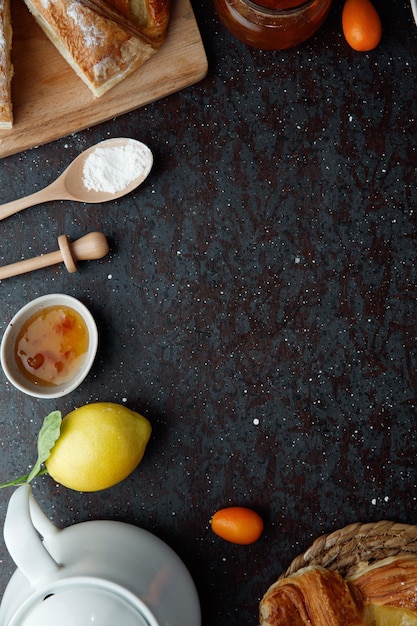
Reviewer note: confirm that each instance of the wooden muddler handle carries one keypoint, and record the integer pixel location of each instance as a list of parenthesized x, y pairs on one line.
[(91, 246)]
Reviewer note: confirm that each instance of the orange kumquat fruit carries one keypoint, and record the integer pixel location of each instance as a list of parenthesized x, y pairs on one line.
[(237, 524), (361, 25)]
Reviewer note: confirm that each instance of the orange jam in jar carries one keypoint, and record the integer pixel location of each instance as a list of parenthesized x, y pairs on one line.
[(273, 24), (51, 345)]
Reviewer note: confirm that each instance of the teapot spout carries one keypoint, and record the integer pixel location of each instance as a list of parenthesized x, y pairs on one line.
[(24, 524)]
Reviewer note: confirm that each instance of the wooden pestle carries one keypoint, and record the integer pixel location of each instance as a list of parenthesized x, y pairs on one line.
[(91, 246)]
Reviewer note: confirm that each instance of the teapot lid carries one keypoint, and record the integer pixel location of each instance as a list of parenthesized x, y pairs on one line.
[(69, 606)]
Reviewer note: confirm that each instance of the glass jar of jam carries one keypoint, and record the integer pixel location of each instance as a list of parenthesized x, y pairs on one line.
[(272, 24)]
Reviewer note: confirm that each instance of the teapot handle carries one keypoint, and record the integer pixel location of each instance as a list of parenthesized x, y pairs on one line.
[(24, 521)]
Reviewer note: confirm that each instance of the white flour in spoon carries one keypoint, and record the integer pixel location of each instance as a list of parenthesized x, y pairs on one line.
[(113, 168)]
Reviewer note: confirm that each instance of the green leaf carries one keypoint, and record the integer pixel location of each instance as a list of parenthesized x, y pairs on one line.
[(47, 437)]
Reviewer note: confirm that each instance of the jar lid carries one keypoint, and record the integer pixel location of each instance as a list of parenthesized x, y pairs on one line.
[(83, 607)]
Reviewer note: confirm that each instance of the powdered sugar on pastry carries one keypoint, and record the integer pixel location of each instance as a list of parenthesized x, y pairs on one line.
[(100, 51), (92, 35)]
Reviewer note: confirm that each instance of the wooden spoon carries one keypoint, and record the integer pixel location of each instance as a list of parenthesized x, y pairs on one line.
[(70, 185), (91, 246)]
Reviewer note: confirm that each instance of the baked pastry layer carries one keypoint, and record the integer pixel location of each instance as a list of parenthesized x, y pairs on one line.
[(99, 49), (6, 68), (147, 19), (315, 596), (388, 582)]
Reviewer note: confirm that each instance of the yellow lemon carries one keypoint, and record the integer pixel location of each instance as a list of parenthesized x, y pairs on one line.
[(99, 445), (389, 616)]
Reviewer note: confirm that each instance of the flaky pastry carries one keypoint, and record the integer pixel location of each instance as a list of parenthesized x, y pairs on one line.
[(315, 596), (388, 582), (102, 50), (311, 596), (6, 68), (147, 19)]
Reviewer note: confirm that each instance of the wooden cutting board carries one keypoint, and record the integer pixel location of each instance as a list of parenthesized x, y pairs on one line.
[(50, 101)]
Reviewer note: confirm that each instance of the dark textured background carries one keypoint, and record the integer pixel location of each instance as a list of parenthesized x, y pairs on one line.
[(258, 303)]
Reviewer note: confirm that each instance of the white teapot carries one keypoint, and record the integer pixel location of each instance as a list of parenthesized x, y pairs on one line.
[(100, 573)]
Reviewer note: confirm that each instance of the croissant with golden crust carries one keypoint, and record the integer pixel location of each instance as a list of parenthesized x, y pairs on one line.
[(312, 596), (389, 582), (315, 596)]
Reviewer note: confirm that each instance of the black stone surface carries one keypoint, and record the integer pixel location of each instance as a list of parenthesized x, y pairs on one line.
[(258, 304)]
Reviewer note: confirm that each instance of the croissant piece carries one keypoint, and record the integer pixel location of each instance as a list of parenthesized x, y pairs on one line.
[(383, 593), (312, 596), (6, 68), (389, 582)]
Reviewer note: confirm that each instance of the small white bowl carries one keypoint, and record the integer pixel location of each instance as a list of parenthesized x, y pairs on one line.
[(414, 9), (8, 360)]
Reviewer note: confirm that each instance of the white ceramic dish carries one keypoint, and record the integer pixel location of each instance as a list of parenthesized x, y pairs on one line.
[(8, 361), (98, 571), (414, 9)]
